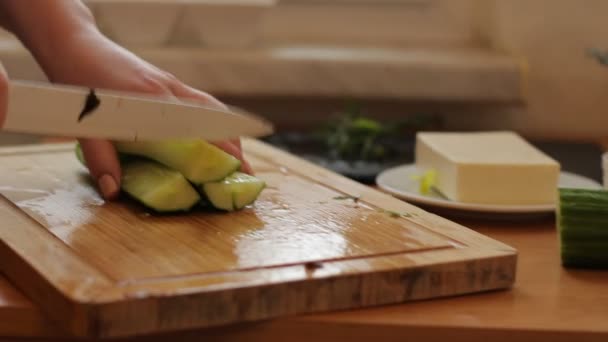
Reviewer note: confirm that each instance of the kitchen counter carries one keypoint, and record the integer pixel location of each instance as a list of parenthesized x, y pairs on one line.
[(547, 302)]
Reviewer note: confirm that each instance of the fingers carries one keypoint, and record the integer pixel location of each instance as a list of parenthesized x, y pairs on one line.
[(238, 144), (3, 94), (232, 147), (104, 167), (235, 150), (183, 91)]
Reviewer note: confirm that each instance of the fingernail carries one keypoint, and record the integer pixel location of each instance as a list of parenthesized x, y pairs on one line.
[(107, 185)]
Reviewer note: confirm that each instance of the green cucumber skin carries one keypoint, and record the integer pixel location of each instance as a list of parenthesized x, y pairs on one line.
[(583, 255), (122, 158), (582, 218), (586, 197), (80, 154), (158, 187), (204, 202), (224, 195), (189, 158), (585, 228), (127, 163)]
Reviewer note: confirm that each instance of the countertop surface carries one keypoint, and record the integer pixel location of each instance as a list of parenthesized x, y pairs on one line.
[(547, 301)]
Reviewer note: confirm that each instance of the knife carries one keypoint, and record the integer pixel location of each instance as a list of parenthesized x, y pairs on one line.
[(77, 112)]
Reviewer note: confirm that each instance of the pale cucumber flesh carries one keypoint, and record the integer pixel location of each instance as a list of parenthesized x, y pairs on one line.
[(199, 161), (158, 187), (154, 185), (235, 192), (165, 189)]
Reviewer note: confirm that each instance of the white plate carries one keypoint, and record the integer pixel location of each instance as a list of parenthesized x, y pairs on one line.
[(399, 182)]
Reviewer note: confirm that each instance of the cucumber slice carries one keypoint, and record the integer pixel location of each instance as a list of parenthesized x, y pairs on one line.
[(199, 161), (582, 219), (585, 255), (158, 187), (234, 192), (80, 155), (154, 185), (122, 158)]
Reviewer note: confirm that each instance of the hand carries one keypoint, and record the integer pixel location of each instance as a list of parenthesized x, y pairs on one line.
[(63, 38), (96, 62)]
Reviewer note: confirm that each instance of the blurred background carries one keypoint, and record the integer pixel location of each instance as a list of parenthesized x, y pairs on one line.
[(356, 79)]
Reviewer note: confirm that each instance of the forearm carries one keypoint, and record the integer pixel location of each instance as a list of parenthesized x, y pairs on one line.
[(46, 26)]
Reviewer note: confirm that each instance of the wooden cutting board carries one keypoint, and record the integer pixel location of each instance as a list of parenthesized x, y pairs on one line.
[(112, 269)]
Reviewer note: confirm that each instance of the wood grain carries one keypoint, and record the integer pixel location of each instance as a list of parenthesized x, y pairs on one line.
[(110, 269), (20, 317), (548, 302)]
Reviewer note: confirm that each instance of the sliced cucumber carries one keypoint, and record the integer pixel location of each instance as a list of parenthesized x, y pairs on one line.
[(582, 219), (155, 185), (199, 161), (158, 187), (165, 189), (80, 155), (235, 192), (122, 158)]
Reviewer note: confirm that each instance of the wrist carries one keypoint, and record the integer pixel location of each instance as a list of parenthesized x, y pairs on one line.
[(50, 28)]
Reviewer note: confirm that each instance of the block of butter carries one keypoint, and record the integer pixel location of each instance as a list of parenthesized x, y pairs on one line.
[(488, 167)]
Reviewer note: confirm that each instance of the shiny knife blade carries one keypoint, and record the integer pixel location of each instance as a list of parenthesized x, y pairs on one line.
[(76, 112)]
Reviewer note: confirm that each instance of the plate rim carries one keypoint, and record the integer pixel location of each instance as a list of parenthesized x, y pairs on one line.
[(416, 198)]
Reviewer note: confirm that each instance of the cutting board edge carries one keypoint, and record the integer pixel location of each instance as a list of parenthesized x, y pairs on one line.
[(88, 319), (53, 299), (94, 319), (191, 283), (501, 263)]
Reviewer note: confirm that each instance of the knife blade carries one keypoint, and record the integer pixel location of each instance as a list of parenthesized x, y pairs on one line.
[(78, 112)]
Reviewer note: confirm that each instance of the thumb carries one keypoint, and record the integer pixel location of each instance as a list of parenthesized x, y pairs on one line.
[(3, 94)]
